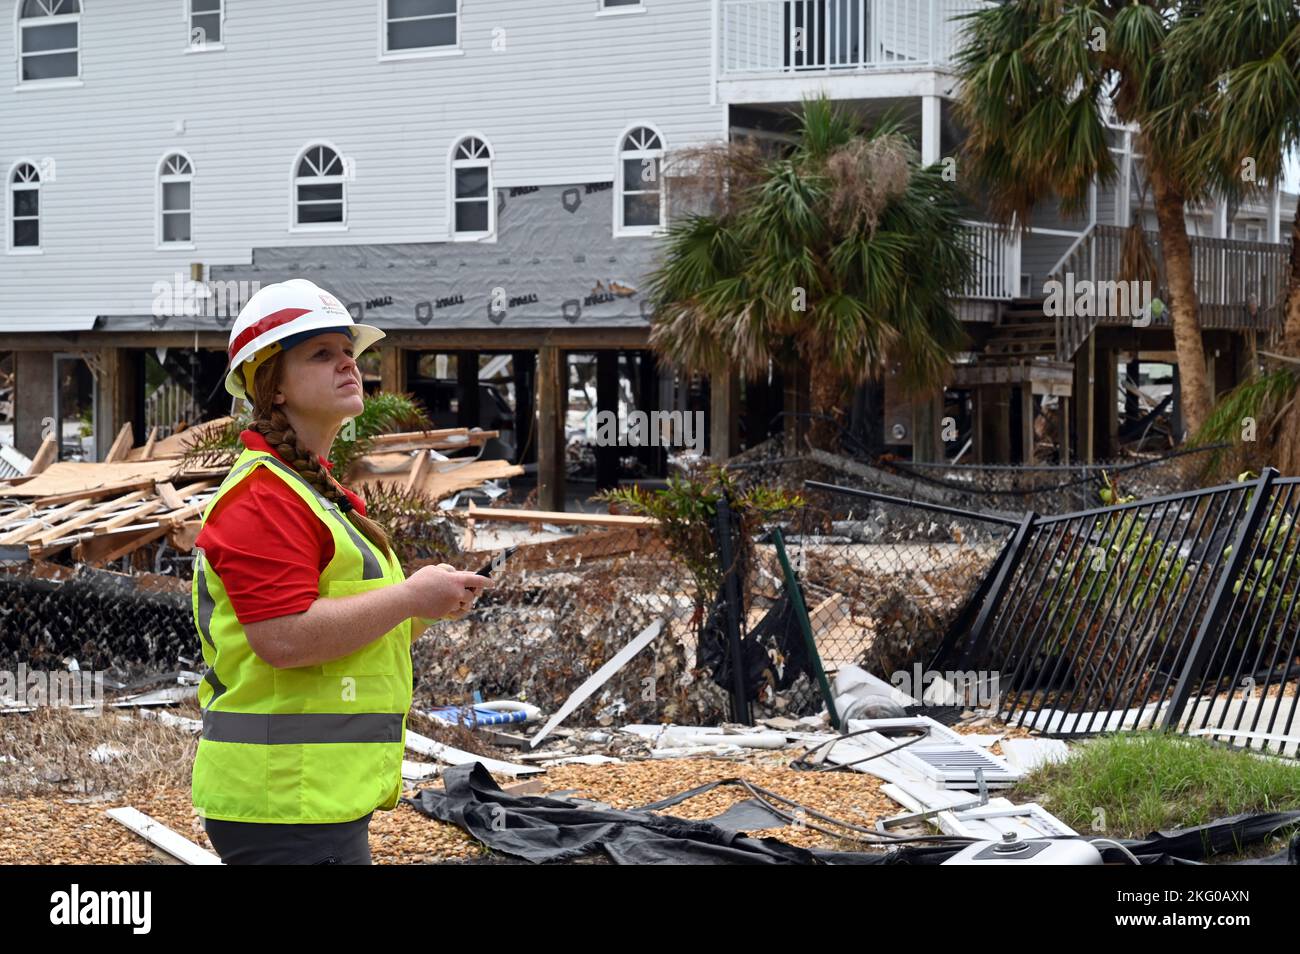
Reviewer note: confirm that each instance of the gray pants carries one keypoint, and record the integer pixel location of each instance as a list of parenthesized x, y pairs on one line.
[(251, 843)]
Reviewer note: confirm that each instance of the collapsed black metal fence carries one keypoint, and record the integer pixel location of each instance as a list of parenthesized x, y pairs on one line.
[(881, 582), (1059, 488), (1175, 612)]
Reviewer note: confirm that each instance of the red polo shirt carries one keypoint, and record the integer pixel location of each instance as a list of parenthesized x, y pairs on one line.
[(266, 544)]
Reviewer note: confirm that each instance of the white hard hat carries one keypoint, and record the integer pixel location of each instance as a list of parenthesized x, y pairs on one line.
[(286, 310)]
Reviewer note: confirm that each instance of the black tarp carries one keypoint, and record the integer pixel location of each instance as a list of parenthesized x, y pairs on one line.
[(546, 829), (543, 829)]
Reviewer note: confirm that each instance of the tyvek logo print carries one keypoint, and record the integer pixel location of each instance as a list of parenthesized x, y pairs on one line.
[(572, 310), (571, 199), (424, 312), (496, 317)]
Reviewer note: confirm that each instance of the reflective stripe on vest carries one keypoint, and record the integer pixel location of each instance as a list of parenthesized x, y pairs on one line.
[(296, 728)]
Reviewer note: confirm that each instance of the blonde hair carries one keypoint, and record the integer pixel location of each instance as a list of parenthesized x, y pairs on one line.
[(273, 424)]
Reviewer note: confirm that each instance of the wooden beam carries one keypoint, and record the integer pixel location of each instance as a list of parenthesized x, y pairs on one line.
[(149, 443), (505, 515), (97, 493), (724, 415), (121, 444), (552, 381), (551, 554), (1085, 389), (417, 469), (45, 455), (167, 491), (1026, 423), (392, 370)]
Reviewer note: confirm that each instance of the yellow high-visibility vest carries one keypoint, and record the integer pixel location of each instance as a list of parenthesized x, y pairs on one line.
[(311, 744)]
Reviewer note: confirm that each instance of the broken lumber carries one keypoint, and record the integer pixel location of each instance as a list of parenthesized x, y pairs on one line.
[(423, 745), (600, 677), (507, 515), (159, 835)]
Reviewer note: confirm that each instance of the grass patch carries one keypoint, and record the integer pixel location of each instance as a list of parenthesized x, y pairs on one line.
[(1137, 783)]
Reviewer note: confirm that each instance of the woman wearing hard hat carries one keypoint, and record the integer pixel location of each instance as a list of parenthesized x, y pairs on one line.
[(303, 611)]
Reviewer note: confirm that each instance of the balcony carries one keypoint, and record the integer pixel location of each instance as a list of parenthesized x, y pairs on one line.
[(836, 39)]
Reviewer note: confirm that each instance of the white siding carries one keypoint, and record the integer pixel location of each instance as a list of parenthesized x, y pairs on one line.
[(293, 72)]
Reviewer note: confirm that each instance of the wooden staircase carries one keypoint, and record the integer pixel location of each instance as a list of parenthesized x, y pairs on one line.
[(1022, 331)]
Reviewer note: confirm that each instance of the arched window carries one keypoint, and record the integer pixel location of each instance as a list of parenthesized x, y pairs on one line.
[(25, 207), (318, 188), (49, 40), (175, 201), (639, 208), (473, 208)]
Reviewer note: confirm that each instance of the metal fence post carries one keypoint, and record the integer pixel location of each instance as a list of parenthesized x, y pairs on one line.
[(1223, 595), (739, 697), (801, 612), (1000, 583)]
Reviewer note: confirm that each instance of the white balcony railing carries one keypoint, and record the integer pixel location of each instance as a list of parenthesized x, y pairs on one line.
[(827, 36), (996, 252)]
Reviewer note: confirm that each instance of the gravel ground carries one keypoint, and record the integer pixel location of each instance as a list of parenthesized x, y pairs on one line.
[(59, 818)]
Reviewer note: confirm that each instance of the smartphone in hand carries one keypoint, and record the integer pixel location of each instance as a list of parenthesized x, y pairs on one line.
[(498, 560)]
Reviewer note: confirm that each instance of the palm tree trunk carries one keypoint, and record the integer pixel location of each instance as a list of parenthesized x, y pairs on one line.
[(827, 399), (794, 375), (1288, 428), (1196, 396), (1291, 327)]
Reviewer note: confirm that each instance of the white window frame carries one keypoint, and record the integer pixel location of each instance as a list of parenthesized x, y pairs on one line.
[(603, 9), (54, 82), (10, 247), (164, 177), (628, 231), (294, 225), (217, 47), (453, 163), (419, 53)]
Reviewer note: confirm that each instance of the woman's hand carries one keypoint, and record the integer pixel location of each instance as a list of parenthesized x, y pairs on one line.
[(443, 592)]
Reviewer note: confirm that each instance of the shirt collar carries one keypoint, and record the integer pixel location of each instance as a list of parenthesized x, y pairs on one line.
[(254, 441)]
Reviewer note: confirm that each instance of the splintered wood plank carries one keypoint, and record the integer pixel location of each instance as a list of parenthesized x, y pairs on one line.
[(177, 444), (167, 491), (43, 521), (156, 833), (85, 517), (559, 517), (121, 444), (149, 443), (46, 455), (149, 506), (417, 469)]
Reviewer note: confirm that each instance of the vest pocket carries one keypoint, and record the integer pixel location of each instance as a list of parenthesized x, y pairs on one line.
[(378, 658)]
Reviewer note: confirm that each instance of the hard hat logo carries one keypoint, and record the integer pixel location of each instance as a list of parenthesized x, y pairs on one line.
[(294, 309)]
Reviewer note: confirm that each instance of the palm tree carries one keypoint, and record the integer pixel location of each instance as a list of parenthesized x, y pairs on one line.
[(1250, 52), (1037, 78), (834, 263)]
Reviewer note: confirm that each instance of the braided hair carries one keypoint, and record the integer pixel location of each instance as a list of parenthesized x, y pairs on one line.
[(272, 423)]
